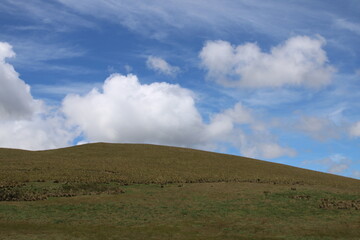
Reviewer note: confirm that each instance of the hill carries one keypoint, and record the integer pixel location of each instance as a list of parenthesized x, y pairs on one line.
[(137, 191), (141, 163)]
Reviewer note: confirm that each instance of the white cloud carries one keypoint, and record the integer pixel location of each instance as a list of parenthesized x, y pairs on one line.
[(24, 121), (261, 143), (336, 163), (223, 124), (356, 174), (128, 68), (161, 66), (318, 128), (267, 150), (125, 110), (350, 26), (41, 131), (354, 130), (257, 142), (300, 61), (338, 168), (6, 51), (16, 101)]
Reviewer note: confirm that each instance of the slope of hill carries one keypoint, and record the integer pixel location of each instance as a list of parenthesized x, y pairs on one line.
[(139, 163), (135, 191)]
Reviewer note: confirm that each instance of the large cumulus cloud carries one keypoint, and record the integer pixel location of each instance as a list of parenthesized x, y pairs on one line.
[(25, 122), (41, 131), (300, 61), (125, 110), (16, 101)]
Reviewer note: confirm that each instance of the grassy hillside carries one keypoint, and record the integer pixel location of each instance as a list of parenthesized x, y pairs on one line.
[(137, 163), (132, 191)]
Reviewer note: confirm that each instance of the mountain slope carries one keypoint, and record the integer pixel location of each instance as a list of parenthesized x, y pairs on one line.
[(141, 163)]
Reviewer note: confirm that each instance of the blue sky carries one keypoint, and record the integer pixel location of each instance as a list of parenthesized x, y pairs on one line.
[(274, 80)]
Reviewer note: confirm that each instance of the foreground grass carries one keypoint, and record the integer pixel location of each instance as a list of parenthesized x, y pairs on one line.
[(127, 191), (186, 211)]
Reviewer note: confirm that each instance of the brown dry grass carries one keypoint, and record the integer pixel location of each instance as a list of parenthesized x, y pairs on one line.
[(138, 163)]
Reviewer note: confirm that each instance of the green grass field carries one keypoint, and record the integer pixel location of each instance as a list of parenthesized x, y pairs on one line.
[(131, 191)]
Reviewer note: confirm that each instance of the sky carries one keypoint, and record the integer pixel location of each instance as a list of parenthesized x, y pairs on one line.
[(276, 80)]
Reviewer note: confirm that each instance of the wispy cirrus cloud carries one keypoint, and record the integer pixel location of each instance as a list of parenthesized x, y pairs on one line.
[(275, 97), (42, 15), (29, 54), (30, 57), (347, 25), (158, 19)]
